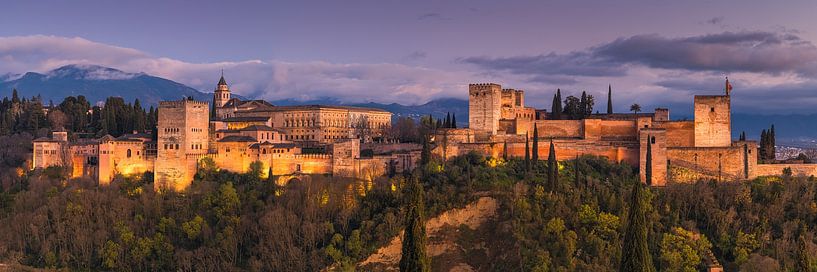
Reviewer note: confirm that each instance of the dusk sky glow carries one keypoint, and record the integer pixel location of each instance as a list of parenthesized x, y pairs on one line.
[(657, 53)]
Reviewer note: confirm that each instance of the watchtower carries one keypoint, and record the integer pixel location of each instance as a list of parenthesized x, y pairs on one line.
[(182, 140), (484, 107)]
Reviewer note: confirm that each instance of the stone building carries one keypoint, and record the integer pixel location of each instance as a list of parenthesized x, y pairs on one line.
[(285, 141), (681, 150)]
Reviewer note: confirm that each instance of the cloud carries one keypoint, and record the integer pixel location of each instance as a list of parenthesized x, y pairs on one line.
[(266, 79), (432, 16), (746, 51), (715, 21)]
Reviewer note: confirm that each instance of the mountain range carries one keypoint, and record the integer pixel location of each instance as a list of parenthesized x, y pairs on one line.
[(97, 83)]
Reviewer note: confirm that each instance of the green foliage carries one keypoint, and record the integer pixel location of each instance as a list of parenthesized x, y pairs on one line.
[(682, 250)]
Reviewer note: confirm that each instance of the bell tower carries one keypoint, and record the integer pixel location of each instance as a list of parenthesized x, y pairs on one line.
[(222, 93)]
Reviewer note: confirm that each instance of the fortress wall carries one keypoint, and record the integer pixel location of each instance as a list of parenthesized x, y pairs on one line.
[(679, 133), (560, 128), (565, 150), (484, 107), (618, 129), (237, 159), (777, 169), (707, 161)]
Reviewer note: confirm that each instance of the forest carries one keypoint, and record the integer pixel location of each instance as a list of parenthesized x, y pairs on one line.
[(554, 216)]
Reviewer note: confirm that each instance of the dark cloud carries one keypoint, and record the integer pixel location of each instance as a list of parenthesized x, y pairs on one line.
[(747, 51), (572, 64), (432, 16), (715, 20), (416, 55), (551, 79)]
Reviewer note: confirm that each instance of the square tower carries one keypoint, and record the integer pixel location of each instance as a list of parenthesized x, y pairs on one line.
[(712, 121), (182, 140), (484, 107)]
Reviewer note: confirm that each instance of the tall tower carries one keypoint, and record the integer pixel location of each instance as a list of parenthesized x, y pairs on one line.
[(222, 93), (182, 141), (484, 107)]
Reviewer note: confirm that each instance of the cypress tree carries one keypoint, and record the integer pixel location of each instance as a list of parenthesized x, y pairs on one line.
[(609, 99), (553, 167), (454, 120), (648, 163), (425, 155), (447, 123), (583, 105), (554, 107), (414, 257), (802, 254), (439, 123), (527, 153), (635, 255), (505, 151), (15, 99), (559, 104), (535, 155), (762, 151), (772, 144)]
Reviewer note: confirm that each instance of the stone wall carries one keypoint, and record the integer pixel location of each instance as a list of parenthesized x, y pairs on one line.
[(560, 128), (182, 130), (679, 133), (726, 162), (777, 169)]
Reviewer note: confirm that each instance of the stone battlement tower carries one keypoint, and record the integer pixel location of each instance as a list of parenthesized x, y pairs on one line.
[(713, 125), (485, 107), (182, 140)]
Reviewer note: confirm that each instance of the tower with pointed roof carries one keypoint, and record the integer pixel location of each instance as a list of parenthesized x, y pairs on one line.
[(222, 93)]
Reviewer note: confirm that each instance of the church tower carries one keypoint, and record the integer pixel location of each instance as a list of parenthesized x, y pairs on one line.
[(222, 93)]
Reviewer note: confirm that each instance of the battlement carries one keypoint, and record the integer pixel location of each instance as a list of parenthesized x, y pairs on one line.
[(182, 103), (478, 85)]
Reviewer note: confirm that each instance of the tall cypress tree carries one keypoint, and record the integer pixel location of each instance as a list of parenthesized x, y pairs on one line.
[(535, 155), (635, 255), (745, 160), (554, 107), (454, 120), (772, 144), (414, 257), (762, 150), (447, 123), (425, 155), (648, 163), (559, 104), (527, 153), (553, 167), (583, 105), (609, 99)]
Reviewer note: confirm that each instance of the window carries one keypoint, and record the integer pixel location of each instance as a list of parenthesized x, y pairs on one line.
[(177, 146), (652, 139), (128, 153), (712, 109)]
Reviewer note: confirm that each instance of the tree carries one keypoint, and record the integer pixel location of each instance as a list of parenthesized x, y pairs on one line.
[(556, 106), (447, 123), (648, 162), (573, 107), (635, 255), (635, 108), (425, 155), (527, 153), (682, 250), (454, 120), (535, 152), (553, 167), (583, 105), (609, 99), (505, 150), (414, 257)]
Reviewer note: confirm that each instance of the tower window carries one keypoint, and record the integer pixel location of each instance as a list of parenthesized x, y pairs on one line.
[(712, 109), (129, 153), (652, 139)]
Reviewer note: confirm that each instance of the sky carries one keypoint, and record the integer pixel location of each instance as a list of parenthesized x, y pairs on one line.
[(657, 53)]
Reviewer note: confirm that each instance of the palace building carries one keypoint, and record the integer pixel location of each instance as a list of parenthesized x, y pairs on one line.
[(285, 141), (681, 150)]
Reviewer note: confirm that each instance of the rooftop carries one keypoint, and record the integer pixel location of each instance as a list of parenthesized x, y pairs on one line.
[(237, 138)]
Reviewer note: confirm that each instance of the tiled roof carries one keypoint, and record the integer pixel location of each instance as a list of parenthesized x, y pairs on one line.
[(237, 138)]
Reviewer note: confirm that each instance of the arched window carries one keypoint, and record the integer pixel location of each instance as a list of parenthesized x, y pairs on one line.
[(264, 151)]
